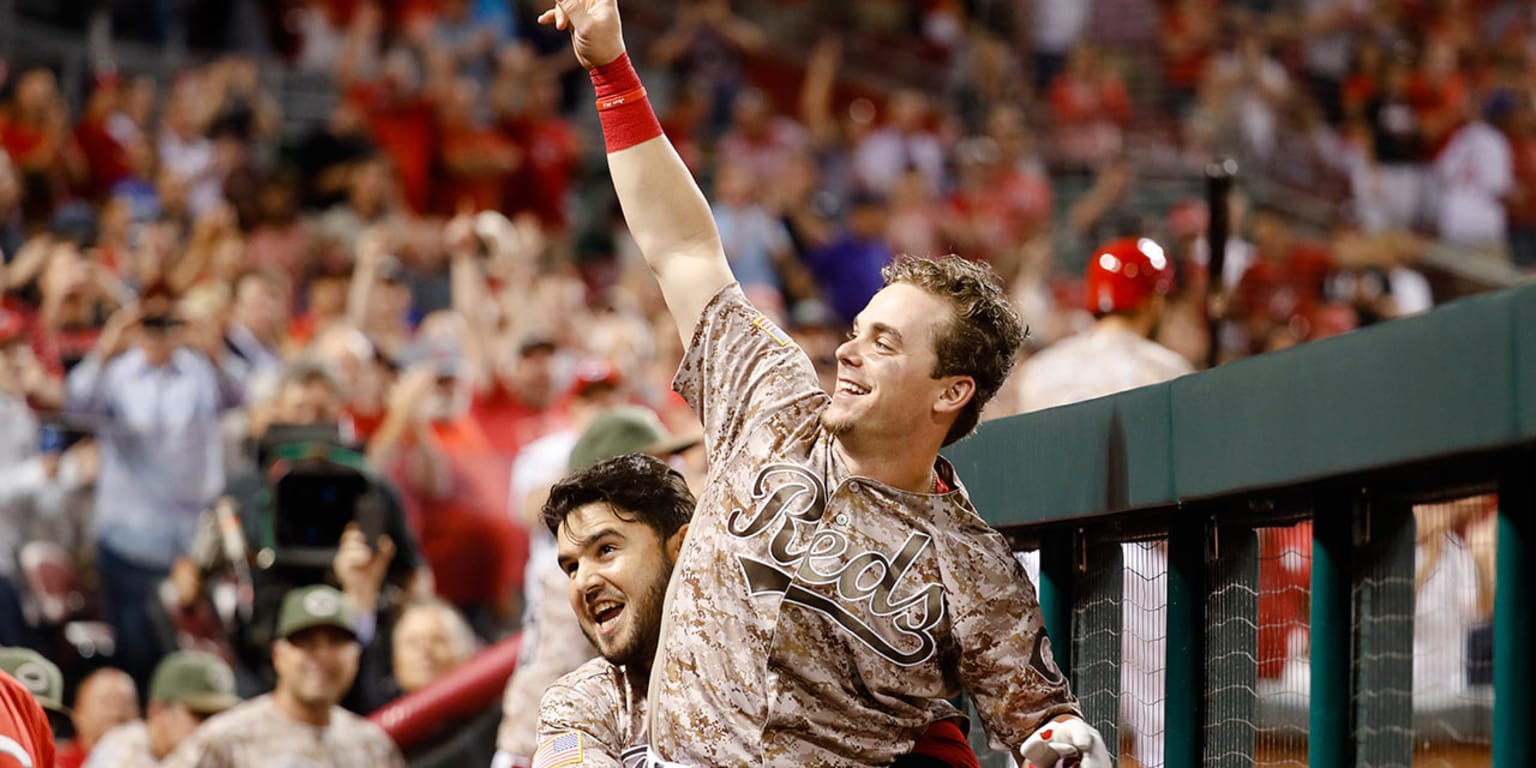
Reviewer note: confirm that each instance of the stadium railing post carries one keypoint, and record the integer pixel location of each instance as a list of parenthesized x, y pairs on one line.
[(1184, 700), (1329, 740), (1056, 566), (1514, 675)]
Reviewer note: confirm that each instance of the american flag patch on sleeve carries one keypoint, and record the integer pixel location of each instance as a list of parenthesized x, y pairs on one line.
[(772, 329), (564, 749)]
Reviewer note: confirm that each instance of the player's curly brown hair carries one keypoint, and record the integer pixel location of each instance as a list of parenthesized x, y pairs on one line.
[(636, 487), (981, 340)]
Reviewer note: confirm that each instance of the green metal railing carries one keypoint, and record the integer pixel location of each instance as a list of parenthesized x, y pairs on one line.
[(1350, 433)]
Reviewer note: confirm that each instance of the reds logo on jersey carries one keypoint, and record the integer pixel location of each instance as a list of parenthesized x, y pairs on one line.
[(790, 500)]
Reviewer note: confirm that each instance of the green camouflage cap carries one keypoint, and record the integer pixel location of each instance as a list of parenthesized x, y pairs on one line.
[(199, 681), (621, 430), (37, 674), (315, 606)]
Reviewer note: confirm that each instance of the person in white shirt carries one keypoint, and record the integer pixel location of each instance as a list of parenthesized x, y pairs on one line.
[(1473, 174)]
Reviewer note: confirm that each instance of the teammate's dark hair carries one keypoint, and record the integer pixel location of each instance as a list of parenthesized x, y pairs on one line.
[(637, 487), (983, 336)]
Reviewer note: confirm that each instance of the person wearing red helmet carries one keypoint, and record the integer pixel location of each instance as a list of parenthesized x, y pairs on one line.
[(1127, 284)]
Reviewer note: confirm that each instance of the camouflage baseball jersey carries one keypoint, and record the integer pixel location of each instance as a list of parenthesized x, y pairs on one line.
[(816, 617), (126, 746), (598, 702), (256, 734), (559, 648)]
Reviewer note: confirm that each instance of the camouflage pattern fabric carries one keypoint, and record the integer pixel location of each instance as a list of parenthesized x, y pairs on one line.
[(818, 618)]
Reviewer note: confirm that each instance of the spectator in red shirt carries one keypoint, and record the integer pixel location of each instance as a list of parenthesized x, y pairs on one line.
[(34, 131), (105, 156), (518, 404), (1364, 80), (551, 149), (1187, 37), (351, 356), (1283, 289), (475, 161), (1090, 106), (398, 105), (1439, 94)]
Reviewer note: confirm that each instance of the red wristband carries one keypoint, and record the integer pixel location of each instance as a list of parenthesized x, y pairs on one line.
[(622, 105), (628, 97)]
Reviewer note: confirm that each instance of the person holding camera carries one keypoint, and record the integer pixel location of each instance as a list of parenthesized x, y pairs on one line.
[(154, 398), (311, 509)]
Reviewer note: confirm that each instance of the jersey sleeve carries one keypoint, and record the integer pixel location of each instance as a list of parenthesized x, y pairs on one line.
[(740, 370), (581, 722), (1005, 659)]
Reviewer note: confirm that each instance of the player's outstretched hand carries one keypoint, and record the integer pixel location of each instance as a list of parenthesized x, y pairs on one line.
[(596, 34), (1069, 742)]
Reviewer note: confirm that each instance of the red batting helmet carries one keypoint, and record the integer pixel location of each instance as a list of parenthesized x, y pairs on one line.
[(1124, 273)]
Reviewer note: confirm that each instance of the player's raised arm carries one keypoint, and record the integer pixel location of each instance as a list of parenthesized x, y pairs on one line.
[(666, 211)]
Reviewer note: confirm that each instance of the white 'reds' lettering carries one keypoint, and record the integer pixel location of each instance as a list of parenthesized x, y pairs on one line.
[(868, 579)]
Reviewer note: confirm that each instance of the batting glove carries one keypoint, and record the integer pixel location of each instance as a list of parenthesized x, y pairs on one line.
[(1066, 743)]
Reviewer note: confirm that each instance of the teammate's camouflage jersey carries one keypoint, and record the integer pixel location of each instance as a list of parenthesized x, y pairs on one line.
[(126, 746), (256, 734), (598, 702), (818, 618)]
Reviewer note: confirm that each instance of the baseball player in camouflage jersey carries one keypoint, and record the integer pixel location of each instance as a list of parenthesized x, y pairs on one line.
[(298, 724), (620, 525), (837, 587), (187, 688)]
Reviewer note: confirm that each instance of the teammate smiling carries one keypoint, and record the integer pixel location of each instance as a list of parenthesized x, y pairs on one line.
[(836, 587)]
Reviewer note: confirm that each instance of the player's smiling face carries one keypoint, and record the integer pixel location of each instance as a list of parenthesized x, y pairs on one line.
[(618, 569), (885, 382)]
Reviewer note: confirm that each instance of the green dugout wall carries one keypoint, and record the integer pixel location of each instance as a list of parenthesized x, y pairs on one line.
[(1350, 434)]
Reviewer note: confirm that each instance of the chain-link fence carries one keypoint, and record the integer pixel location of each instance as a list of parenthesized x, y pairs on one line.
[(1421, 572)]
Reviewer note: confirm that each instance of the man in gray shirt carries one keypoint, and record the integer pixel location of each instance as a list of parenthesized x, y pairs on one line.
[(153, 397)]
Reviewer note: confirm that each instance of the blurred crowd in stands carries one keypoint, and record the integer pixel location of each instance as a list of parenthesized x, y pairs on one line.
[(426, 278)]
